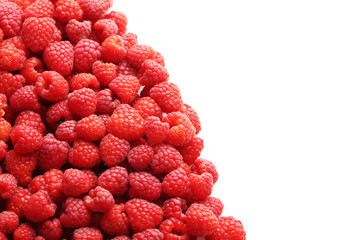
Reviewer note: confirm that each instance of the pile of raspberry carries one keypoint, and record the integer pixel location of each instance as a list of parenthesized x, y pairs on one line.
[(95, 142)]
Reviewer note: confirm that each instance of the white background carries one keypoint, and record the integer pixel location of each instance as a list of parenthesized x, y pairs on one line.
[(276, 85)]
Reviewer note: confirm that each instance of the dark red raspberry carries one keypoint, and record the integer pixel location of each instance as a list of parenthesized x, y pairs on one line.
[(11, 58), (9, 83), (115, 180), (24, 232), (52, 153), (147, 107), (86, 52), (113, 150), (181, 129), (112, 49), (176, 183), (3, 237), (92, 177), (140, 157), (76, 30), (84, 154), (75, 214), (154, 234), (104, 28), (21, 166), (25, 139), (66, 131), (201, 186), (31, 119), (91, 128), (144, 185), (214, 204), (130, 39), (166, 159), (167, 95), (84, 80), (174, 229), (152, 73), (39, 207), (175, 208), (124, 68), (106, 103), (59, 111), (192, 115), (228, 229), (87, 233), (201, 166), (99, 200), (40, 8), (52, 86), (120, 19), (7, 185), (137, 54), (51, 229), (126, 87), (3, 150), (191, 150), (94, 9), (82, 102), (59, 57), (200, 220), (9, 221), (5, 130), (18, 201), (75, 182), (25, 98), (10, 18), (104, 72), (115, 221), (68, 9), (121, 238)]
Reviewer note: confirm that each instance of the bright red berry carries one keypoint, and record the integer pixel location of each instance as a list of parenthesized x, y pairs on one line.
[(7, 185), (52, 153), (9, 83), (167, 95), (201, 166), (11, 58), (39, 207), (152, 73), (144, 185), (200, 220), (24, 232), (120, 19), (21, 166), (147, 107), (10, 18), (166, 159), (75, 182), (66, 131), (86, 52), (30, 119), (175, 208), (181, 129), (87, 233), (91, 128), (75, 214), (9, 221), (3, 150), (126, 87), (140, 157), (51, 229), (65, 10), (125, 68), (115, 221), (115, 180), (76, 30), (84, 154), (59, 111), (154, 234), (82, 102), (192, 115), (104, 72), (18, 201), (113, 49), (99, 200), (104, 28), (52, 86), (191, 150), (214, 204), (25, 98), (94, 9), (106, 102), (84, 80), (59, 57), (113, 150), (130, 39), (201, 186), (174, 229), (176, 183), (228, 229), (25, 139), (40, 8), (137, 54), (5, 130)]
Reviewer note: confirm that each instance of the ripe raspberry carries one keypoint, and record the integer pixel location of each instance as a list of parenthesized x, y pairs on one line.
[(154, 234), (10, 18), (31, 119), (126, 87), (143, 215), (99, 200), (18, 42), (201, 186), (86, 52), (112, 49), (24, 232), (159, 59), (25, 98), (39, 207), (121, 238), (75, 214), (84, 80), (130, 39), (147, 107), (7, 185), (39, 32), (40, 8), (113, 150), (68, 9), (76, 30), (126, 123), (228, 229), (21, 166), (18, 201), (52, 153), (66, 131), (115, 180), (52, 86), (181, 129), (144, 185), (82, 102), (104, 28), (59, 111), (106, 103), (174, 229), (59, 57), (11, 58), (192, 115), (191, 150), (9, 83), (51, 229), (105, 118), (87, 233), (2, 35), (167, 95), (214, 204), (5, 130), (124, 68), (140, 157), (75, 182), (25, 139), (3, 150), (166, 159), (9, 221), (152, 73), (201, 166), (115, 221), (200, 220), (92, 177), (120, 19), (84, 154), (176, 183), (175, 208), (137, 54), (94, 9), (2, 236), (91, 128)]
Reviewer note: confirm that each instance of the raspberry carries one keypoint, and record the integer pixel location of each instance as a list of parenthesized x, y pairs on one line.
[(159, 59), (2, 236), (94, 9), (181, 129), (115, 221), (51, 229), (25, 98), (7, 185), (84, 154), (130, 39), (176, 183), (105, 118), (228, 229), (59, 57), (121, 238), (17, 42), (1, 35), (68, 9), (24, 232), (140, 157), (39, 32), (10, 18), (40, 8), (124, 68), (115, 180), (106, 103), (112, 49), (104, 72), (66, 131), (84, 80), (76, 30), (191, 150), (59, 111), (175, 208), (52, 86), (143, 215), (21, 166), (152, 73), (99, 200), (120, 19), (87, 233), (3, 150), (39, 207), (104, 28), (200, 220), (113, 150), (147, 107), (192, 115), (137, 54), (201, 186), (167, 95), (5, 130), (52, 153), (126, 87), (126, 123), (75, 182), (82, 102), (91, 128), (92, 177), (18, 201), (31, 119), (201, 166), (11, 58), (9, 83), (75, 214), (86, 52), (25, 139), (174, 229), (9, 221), (214, 204), (154, 234), (166, 159), (144, 185)]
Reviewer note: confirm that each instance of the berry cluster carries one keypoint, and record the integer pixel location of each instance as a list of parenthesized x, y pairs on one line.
[(95, 142)]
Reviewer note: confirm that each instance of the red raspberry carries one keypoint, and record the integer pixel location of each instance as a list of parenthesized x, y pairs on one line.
[(10, 18), (82, 102), (39, 207), (115, 180), (181, 129), (191, 150), (24, 232), (152, 73), (144, 185), (143, 214), (166, 159), (167, 95), (201, 166), (147, 107), (106, 103), (84, 80), (84, 154), (120, 19), (21, 166), (174, 229), (200, 220), (9, 83), (25, 98), (52, 86), (130, 39), (92, 177), (115, 221), (99, 200), (112, 49), (126, 87), (228, 229), (2, 236), (214, 204), (87, 233), (126, 123), (75, 182), (3, 150), (104, 28), (91, 128), (25, 139), (7, 185), (137, 54), (9, 221), (192, 115), (66, 131), (59, 111), (124, 68), (121, 238), (94, 9), (86, 52), (104, 72), (51, 229), (17, 42), (154, 234), (5, 130), (11, 58), (40, 8), (201, 186), (2, 35), (76, 30), (68, 9), (113, 150), (176, 183), (39, 32), (140, 157), (59, 57), (159, 59), (175, 208), (52, 153), (75, 214), (105, 118), (18, 201), (31, 119)]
